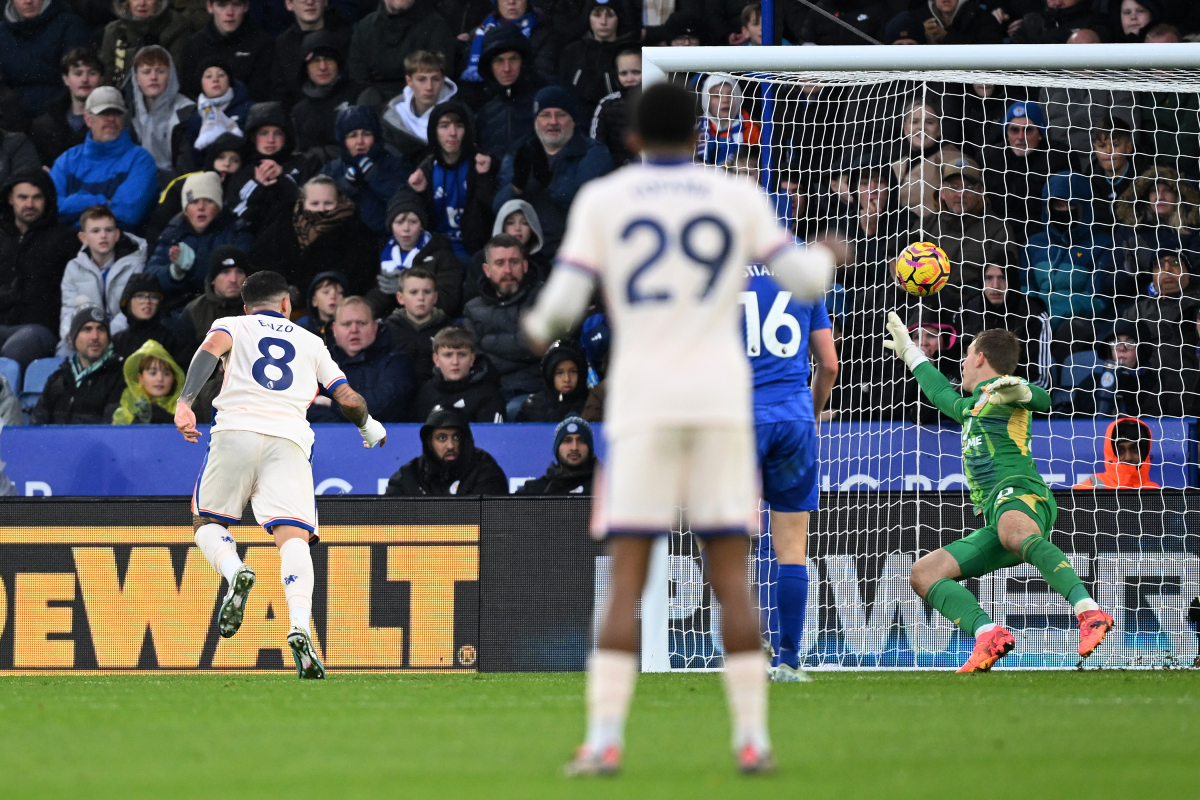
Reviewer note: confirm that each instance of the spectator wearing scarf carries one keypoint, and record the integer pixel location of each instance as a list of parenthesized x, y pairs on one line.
[(517, 13), (457, 187), (430, 250), (722, 131), (368, 178), (225, 113)]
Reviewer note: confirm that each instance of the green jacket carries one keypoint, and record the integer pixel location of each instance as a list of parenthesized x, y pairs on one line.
[(136, 406)]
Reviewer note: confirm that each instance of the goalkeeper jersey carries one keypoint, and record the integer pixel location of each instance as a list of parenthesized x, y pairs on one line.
[(995, 438)]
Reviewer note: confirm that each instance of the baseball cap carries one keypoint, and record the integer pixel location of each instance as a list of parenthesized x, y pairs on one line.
[(104, 98), (965, 167)]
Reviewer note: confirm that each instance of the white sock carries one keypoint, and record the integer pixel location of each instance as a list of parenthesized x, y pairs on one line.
[(296, 572), (746, 691), (982, 630), (1087, 604), (219, 548), (611, 677)]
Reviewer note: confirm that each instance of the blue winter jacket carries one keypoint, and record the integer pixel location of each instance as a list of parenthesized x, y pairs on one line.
[(119, 173), (225, 229), (1070, 270), (582, 160), (31, 49)]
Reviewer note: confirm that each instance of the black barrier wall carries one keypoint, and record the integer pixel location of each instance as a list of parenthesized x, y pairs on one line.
[(117, 584)]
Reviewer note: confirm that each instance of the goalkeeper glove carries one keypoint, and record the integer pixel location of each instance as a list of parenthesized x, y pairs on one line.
[(372, 432), (900, 342), (1009, 391)]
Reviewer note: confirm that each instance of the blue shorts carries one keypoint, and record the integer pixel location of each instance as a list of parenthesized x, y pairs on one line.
[(787, 454)]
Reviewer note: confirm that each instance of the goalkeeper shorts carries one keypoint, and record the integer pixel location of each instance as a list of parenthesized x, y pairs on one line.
[(707, 472), (981, 552), (271, 472)]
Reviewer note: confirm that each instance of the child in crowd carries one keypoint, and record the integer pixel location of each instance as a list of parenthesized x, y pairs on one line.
[(141, 303), (406, 117), (417, 320), (153, 382), (564, 369), (158, 112), (411, 245), (726, 127), (324, 295), (461, 380), (97, 275), (221, 108)]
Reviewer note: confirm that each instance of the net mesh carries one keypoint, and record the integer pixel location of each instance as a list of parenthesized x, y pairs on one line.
[(1067, 204)]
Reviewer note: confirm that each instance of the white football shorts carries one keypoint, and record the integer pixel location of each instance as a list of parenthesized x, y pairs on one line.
[(272, 473), (710, 472)]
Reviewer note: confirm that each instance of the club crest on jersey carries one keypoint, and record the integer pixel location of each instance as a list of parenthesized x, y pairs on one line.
[(290, 579)]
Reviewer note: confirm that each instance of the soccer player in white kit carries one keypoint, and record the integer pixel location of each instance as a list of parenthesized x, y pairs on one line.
[(259, 449), (669, 242)]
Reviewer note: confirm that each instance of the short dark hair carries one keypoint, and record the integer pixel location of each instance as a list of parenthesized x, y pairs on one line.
[(665, 115), (455, 338), (1112, 128), (1000, 347), (263, 289), (80, 56), (417, 273), (501, 240)]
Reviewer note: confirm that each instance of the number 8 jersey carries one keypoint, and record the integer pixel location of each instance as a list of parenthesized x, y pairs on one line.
[(670, 242), (272, 374)]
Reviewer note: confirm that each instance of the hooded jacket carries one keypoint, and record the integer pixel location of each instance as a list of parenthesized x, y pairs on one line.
[(610, 123), (288, 71), (718, 140), (1141, 236), (387, 173), (126, 35), (382, 40), (90, 400), (136, 406), (101, 287), (477, 396), (507, 116), (406, 130), (32, 264), (1167, 323), (495, 322), (474, 472), (259, 205), (416, 340), (119, 174), (581, 160), (539, 265), (17, 154), (586, 66), (317, 108), (248, 52), (1026, 317), (225, 229), (1067, 264), (312, 321), (383, 375), (550, 405), (1014, 184), (160, 129), (140, 331), (474, 218), (1117, 475), (30, 50), (438, 257)]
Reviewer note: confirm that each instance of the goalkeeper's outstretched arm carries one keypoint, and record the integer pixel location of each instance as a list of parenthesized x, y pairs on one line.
[(934, 384)]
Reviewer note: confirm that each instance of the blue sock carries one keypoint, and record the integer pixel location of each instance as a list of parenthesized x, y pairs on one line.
[(793, 599), (768, 593)]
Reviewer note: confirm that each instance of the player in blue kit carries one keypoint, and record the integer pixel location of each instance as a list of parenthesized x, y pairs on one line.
[(781, 336)]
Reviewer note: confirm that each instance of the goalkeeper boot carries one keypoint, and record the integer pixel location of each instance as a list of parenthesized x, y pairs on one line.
[(591, 762), (753, 760), (1093, 627), (994, 645), (308, 665), (229, 619), (787, 674)]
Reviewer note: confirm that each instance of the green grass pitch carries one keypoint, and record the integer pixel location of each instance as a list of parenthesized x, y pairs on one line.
[(851, 735)]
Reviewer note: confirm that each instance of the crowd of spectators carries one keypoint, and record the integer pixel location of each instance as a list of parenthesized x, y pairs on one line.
[(409, 168)]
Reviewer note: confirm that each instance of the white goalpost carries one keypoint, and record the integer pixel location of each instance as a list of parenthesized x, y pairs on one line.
[(1064, 183)]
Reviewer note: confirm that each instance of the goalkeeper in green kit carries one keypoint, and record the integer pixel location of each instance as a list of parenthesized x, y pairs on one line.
[(1017, 506)]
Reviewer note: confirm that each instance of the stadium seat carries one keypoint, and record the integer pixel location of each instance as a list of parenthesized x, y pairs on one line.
[(1074, 370), (35, 380), (12, 371)]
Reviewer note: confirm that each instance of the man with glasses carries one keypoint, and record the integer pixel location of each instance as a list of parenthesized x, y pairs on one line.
[(141, 302)]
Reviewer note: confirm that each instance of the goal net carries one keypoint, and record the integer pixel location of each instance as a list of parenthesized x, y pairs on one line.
[(1066, 200)]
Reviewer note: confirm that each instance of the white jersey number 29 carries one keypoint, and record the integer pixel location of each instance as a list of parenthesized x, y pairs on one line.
[(760, 331)]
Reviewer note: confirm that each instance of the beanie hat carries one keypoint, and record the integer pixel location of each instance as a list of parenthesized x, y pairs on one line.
[(87, 314), (905, 25), (404, 200), (356, 118), (1027, 109), (553, 97), (595, 337), (140, 282), (202, 186), (573, 424), (592, 4), (225, 257)]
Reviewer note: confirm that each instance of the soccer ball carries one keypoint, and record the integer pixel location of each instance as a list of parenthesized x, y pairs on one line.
[(923, 268)]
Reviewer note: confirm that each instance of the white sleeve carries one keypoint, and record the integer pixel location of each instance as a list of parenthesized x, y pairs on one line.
[(583, 243), (560, 305), (765, 236), (805, 271), (329, 374)]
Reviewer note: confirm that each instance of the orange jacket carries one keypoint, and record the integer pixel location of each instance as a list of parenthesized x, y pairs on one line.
[(1117, 475)]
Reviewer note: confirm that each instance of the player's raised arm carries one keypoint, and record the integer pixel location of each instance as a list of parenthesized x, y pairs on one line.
[(806, 270), (216, 344), (934, 384)]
